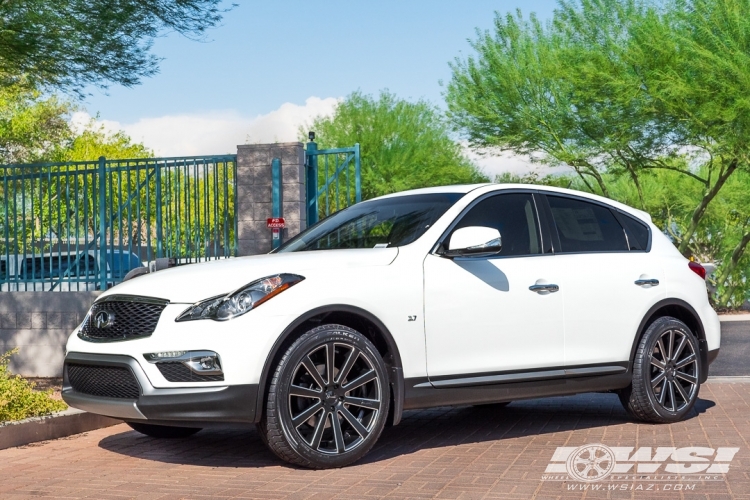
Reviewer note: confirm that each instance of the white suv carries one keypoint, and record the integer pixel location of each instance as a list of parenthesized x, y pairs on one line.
[(443, 296)]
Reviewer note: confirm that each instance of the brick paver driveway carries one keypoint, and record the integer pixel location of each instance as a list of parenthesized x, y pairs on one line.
[(467, 452)]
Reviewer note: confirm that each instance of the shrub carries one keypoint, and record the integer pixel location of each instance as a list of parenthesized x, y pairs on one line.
[(18, 399)]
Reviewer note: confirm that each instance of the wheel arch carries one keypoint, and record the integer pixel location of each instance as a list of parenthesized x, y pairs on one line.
[(354, 317), (683, 311)]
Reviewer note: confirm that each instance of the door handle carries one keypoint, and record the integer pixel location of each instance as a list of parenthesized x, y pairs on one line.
[(647, 282), (544, 288)]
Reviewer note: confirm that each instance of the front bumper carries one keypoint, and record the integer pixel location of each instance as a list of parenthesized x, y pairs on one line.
[(187, 406)]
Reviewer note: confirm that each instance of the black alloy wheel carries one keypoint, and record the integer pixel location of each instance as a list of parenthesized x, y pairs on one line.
[(666, 373), (328, 400)]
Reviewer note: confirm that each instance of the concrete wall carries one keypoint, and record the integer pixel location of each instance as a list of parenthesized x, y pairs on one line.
[(254, 193), (38, 323)]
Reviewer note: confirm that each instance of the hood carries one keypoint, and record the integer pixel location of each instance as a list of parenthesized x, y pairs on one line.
[(194, 282)]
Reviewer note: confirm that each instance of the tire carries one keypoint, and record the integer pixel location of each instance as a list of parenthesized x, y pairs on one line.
[(163, 431), (322, 418), (666, 373)]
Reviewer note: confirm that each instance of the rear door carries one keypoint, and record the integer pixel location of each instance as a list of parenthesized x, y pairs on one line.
[(611, 280)]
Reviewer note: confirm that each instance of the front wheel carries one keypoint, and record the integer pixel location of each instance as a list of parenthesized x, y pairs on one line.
[(328, 400), (666, 371)]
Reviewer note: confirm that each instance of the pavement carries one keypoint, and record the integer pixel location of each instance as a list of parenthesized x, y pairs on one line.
[(465, 452)]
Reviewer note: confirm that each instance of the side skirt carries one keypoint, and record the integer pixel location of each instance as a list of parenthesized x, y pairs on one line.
[(421, 393)]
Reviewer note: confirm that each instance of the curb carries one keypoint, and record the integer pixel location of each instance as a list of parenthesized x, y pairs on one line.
[(58, 425), (729, 379), (734, 317)]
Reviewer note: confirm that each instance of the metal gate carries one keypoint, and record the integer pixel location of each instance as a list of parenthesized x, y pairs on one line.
[(84, 225), (333, 179)]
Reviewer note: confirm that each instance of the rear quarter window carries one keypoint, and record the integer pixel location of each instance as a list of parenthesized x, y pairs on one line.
[(639, 233)]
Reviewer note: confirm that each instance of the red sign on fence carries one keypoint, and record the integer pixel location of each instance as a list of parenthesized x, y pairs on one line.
[(275, 223)]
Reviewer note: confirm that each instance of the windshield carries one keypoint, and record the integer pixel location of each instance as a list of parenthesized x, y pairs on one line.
[(390, 222)]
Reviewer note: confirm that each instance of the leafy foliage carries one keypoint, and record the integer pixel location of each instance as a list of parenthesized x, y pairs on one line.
[(18, 399), (31, 125), (69, 44), (404, 144)]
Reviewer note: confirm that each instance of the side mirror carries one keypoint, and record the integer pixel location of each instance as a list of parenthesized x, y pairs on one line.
[(474, 241)]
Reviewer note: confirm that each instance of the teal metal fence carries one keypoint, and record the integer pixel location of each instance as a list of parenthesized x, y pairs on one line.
[(83, 225), (333, 179)]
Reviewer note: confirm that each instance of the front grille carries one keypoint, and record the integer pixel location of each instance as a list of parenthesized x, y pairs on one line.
[(129, 319), (105, 381), (174, 371)]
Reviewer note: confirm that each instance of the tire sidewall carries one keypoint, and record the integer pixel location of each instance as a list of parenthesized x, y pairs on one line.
[(643, 369), (308, 342)]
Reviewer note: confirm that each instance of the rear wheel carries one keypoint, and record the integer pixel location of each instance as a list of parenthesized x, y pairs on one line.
[(666, 371), (328, 400), (163, 431)]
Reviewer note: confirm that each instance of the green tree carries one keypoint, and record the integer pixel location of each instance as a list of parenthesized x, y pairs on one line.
[(404, 144), (69, 44), (619, 89), (31, 125)]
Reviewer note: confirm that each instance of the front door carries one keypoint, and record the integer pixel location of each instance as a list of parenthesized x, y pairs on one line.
[(482, 320)]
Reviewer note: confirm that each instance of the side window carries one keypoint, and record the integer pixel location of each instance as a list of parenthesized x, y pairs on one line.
[(514, 215), (638, 232), (586, 227)]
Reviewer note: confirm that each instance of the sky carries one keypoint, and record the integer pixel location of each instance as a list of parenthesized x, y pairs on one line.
[(274, 65)]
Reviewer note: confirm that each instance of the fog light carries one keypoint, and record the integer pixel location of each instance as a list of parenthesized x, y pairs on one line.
[(208, 363)]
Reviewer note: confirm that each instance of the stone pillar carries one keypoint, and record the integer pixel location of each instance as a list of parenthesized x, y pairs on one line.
[(254, 193)]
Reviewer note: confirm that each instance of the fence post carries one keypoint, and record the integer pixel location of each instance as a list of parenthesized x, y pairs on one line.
[(357, 174), (311, 181), (276, 198), (102, 223), (159, 230)]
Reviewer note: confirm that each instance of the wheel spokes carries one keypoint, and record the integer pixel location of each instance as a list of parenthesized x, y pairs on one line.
[(687, 378), (306, 414), (671, 395), (350, 360), (334, 397), (304, 392), (361, 430), (330, 362), (319, 428), (372, 404), (313, 371), (681, 391), (685, 361), (361, 380), (680, 347), (338, 435)]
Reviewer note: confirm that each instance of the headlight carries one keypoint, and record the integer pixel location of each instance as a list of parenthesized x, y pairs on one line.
[(237, 303)]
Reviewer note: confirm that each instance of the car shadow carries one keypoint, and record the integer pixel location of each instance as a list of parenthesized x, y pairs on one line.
[(418, 430)]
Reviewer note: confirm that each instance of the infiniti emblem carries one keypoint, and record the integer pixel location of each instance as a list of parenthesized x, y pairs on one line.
[(104, 319)]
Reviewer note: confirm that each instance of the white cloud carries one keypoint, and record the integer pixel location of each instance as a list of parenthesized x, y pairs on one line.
[(217, 132), (498, 163)]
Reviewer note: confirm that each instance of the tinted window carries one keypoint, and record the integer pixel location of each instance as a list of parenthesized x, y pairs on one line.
[(514, 216), (586, 227), (56, 265), (638, 232), (389, 222)]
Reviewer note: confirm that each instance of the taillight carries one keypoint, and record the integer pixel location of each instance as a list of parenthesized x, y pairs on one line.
[(697, 269)]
